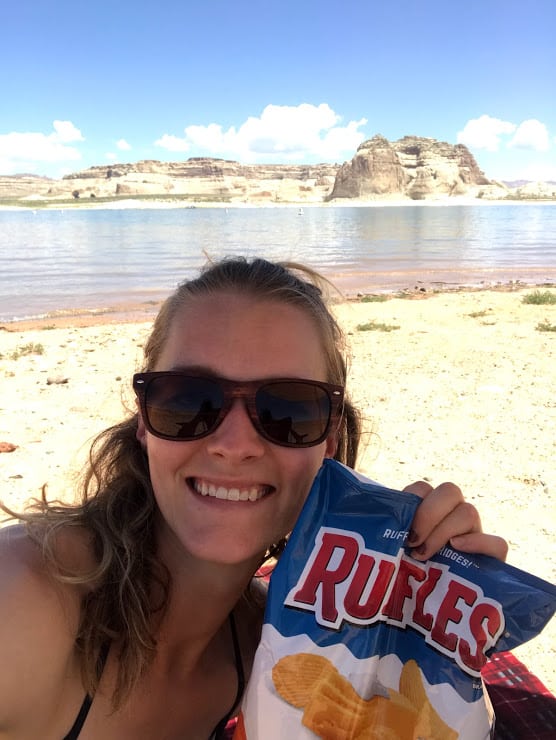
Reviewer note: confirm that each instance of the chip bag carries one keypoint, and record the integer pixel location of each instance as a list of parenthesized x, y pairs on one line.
[(362, 642)]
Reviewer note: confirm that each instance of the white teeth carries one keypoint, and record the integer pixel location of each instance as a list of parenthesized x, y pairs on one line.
[(254, 493), (221, 492)]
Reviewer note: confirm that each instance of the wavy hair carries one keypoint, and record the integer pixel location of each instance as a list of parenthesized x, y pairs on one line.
[(128, 585)]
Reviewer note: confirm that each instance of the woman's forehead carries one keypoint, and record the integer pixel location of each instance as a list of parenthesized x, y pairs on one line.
[(240, 332)]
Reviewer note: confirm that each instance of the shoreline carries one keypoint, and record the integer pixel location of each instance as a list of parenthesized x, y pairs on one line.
[(32, 204), (145, 311), (453, 385), (129, 204)]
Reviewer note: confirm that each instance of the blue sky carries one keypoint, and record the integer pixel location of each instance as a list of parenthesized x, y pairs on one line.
[(87, 83)]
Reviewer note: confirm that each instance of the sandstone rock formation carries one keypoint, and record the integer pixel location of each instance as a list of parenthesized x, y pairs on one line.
[(535, 191), (208, 180), (413, 167), (23, 186)]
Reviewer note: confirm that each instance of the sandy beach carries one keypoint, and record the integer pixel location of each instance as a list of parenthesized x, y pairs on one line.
[(454, 385)]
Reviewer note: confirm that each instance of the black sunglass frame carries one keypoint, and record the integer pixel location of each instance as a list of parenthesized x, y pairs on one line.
[(246, 391)]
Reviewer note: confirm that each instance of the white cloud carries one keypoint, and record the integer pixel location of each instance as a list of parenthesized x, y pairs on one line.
[(172, 143), (123, 146), (491, 133), (66, 132), (531, 134), (485, 133), (540, 172), (29, 151), (294, 133)]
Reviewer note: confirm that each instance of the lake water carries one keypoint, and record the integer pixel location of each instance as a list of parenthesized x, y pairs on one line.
[(94, 258)]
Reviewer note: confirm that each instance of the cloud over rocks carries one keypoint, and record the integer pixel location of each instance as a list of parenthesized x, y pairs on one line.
[(26, 151), (531, 134), (300, 133), (491, 134)]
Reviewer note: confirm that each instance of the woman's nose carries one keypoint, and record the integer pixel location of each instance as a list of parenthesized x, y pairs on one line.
[(236, 437)]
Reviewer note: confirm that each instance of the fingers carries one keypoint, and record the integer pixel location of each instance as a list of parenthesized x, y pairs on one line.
[(445, 517), (442, 515), (420, 488), (486, 544), (441, 526)]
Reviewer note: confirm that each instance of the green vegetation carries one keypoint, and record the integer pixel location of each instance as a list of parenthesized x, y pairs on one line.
[(546, 326), (540, 298), (32, 348), (376, 326), (374, 298), (84, 200)]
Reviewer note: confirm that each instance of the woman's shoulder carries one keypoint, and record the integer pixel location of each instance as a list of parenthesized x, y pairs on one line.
[(68, 550), (23, 566), (29, 589), (39, 618)]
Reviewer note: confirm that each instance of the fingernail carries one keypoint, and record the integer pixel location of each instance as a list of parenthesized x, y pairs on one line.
[(421, 550), (412, 537)]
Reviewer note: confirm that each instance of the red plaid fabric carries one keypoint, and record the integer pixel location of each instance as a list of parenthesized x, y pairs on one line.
[(524, 708)]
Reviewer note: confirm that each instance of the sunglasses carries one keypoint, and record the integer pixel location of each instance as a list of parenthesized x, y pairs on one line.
[(286, 411)]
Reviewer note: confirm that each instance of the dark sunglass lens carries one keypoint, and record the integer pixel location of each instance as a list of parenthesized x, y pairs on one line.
[(183, 407), (293, 413)]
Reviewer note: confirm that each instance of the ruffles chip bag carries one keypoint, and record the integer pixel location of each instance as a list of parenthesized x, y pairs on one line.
[(362, 642)]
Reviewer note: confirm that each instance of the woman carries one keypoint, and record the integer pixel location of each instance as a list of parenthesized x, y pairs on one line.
[(136, 613)]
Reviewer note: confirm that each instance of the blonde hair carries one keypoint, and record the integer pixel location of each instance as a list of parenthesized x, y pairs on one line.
[(128, 583)]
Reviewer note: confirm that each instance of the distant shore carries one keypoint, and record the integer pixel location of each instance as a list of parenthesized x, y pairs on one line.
[(43, 203)]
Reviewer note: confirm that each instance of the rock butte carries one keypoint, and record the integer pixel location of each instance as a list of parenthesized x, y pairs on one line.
[(413, 168)]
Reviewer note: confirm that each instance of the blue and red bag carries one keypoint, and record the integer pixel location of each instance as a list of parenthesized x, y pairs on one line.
[(362, 642)]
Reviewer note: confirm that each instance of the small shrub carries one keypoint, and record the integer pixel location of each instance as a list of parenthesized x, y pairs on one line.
[(376, 326), (545, 326), (478, 314), (540, 298), (32, 348), (374, 298)]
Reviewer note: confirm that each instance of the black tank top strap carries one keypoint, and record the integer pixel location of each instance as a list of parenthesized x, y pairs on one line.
[(219, 732), (77, 726)]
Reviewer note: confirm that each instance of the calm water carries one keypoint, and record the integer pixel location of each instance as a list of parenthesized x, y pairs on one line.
[(70, 259)]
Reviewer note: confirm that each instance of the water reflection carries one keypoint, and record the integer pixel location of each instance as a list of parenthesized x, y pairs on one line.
[(91, 257)]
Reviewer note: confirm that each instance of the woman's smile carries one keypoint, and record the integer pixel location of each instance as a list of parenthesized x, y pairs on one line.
[(229, 493)]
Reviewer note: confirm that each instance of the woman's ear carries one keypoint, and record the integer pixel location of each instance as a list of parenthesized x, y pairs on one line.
[(331, 445), (141, 432)]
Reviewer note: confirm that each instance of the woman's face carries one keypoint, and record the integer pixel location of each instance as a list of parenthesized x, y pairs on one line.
[(240, 338)]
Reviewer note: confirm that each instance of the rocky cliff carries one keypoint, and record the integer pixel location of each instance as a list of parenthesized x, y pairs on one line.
[(203, 179), (413, 167)]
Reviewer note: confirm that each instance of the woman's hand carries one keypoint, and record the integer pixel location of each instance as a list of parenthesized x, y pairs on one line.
[(444, 517)]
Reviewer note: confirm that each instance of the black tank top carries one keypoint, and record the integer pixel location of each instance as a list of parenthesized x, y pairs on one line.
[(219, 731)]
